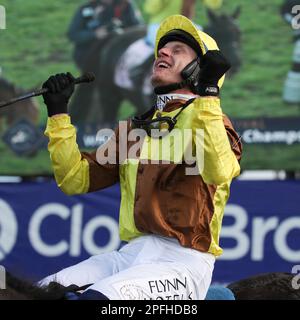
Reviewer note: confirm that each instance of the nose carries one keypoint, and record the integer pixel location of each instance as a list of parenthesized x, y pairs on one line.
[(164, 51)]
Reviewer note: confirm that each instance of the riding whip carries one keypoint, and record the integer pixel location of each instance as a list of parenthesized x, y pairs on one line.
[(86, 77)]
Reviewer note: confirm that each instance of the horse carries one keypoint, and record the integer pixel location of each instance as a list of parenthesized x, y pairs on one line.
[(26, 109), (224, 28), (20, 289), (266, 286)]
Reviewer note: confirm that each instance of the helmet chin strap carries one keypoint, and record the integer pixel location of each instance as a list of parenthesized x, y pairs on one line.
[(189, 74), (170, 87)]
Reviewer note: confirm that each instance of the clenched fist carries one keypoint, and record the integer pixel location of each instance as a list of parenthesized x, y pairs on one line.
[(213, 66), (60, 88)]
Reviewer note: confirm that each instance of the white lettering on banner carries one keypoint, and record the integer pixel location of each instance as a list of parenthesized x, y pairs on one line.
[(257, 136), (281, 236), (92, 226), (236, 231), (260, 229), (82, 236), (75, 214), (34, 230), (76, 227), (296, 279), (8, 229)]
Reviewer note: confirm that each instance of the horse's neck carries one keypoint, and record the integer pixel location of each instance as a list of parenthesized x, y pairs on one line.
[(7, 90)]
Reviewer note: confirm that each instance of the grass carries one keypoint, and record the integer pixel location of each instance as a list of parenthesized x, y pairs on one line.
[(34, 45), (266, 50), (12, 165)]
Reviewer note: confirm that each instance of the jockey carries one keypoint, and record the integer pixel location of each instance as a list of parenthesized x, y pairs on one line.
[(92, 27), (171, 210), (95, 21)]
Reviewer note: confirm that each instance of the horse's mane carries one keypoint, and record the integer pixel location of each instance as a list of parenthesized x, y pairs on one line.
[(19, 289), (275, 285), (6, 85)]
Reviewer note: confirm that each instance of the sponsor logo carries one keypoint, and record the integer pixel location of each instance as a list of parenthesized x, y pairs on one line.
[(23, 138), (288, 137), (170, 289), (253, 243), (163, 99), (211, 90), (133, 292), (80, 237), (154, 289)]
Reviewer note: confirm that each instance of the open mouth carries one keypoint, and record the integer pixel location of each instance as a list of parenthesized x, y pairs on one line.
[(163, 65)]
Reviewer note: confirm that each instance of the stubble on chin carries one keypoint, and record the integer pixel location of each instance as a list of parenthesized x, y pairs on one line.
[(154, 81), (157, 80)]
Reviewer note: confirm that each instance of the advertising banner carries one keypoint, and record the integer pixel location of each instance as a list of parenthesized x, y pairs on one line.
[(42, 230), (261, 93)]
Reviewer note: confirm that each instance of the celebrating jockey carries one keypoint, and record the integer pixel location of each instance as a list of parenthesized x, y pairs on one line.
[(171, 209)]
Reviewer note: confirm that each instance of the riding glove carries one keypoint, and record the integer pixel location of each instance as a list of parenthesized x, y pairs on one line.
[(213, 66), (61, 87)]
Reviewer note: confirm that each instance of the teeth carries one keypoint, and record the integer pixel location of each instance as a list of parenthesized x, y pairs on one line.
[(163, 64)]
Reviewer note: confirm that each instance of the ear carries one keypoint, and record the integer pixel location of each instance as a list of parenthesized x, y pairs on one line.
[(211, 15), (236, 12)]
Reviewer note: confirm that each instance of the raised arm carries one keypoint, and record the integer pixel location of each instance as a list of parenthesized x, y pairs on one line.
[(75, 172), (218, 145), (218, 142)]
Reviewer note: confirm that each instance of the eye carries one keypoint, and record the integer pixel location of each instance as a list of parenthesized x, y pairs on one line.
[(177, 50)]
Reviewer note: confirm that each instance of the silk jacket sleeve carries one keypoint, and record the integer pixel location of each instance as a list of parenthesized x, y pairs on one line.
[(77, 172), (217, 144)]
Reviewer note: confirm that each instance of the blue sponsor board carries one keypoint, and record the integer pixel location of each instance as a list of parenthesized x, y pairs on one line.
[(261, 230), (42, 230)]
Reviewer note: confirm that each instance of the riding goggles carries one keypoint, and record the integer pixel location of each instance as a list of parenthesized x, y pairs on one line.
[(160, 126)]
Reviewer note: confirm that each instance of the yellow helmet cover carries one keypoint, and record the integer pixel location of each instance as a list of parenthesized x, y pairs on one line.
[(178, 21)]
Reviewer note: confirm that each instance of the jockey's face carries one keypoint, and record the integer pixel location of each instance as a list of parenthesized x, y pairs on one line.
[(171, 60)]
